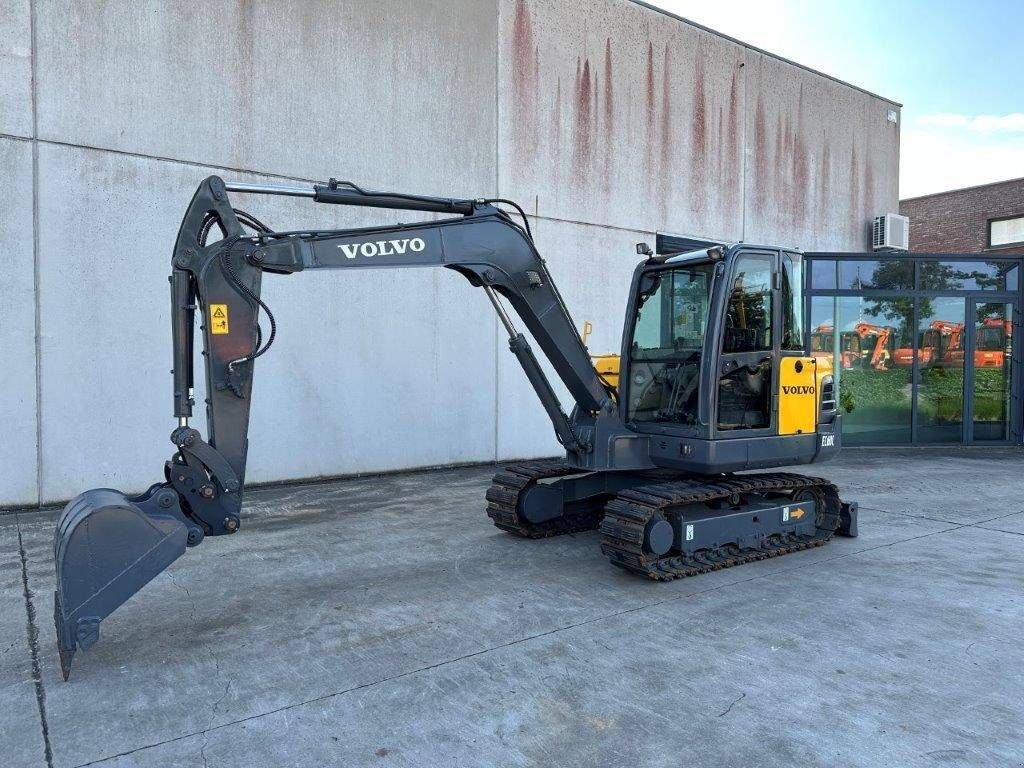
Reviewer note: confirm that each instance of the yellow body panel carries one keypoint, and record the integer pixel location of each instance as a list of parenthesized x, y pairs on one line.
[(608, 367), (798, 395)]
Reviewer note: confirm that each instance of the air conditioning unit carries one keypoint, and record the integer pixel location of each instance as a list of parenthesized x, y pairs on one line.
[(890, 232)]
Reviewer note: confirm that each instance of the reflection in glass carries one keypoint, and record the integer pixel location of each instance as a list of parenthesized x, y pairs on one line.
[(993, 345), (744, 391), (748, 318), (823, 274), (968, 275), (888, 275), (874, 388), (940, 389), (792, 301)]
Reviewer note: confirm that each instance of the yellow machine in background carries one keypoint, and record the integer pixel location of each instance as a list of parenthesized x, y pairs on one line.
[(607, 365)]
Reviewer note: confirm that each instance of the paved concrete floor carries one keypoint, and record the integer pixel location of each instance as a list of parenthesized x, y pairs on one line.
[(383, 621)]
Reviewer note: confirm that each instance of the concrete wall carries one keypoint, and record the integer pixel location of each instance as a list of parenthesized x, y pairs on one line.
[(607, 120)]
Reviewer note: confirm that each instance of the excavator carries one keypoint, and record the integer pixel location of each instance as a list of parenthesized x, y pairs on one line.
[(928, 349), (990, 342), (875, 346), (822, 344), (712, 384)]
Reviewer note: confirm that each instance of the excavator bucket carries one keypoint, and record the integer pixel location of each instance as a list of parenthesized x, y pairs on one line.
[(106, 548)]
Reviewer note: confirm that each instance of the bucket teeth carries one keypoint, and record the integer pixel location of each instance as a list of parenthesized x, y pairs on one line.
[(106, 548)]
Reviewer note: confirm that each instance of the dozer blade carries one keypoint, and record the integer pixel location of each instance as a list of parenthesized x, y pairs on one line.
[(106, 548)]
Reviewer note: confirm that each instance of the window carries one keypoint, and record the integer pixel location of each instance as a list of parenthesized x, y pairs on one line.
[(792, 301), (888, 275), (873, 367), (744, 386), (748, 320), (668, 341), (823, 274), (968, 275), (1006, 232)]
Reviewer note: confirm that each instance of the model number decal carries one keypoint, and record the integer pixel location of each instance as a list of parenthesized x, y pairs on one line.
[(383, 247), (828, 441)]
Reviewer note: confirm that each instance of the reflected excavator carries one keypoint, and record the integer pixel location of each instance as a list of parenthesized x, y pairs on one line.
[(823, 343), (990, 345), (712, 384), (875, 346)]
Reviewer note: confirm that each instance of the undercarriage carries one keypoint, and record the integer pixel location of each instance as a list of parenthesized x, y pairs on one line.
[(665, 527)]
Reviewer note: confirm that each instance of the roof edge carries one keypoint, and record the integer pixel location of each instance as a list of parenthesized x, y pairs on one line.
[(776, 56), (962, 189)]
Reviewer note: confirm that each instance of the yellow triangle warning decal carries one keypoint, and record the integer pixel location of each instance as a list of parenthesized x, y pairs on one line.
[(218, 319)]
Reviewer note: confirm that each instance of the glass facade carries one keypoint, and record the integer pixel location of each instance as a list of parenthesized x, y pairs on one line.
[(922, 346)]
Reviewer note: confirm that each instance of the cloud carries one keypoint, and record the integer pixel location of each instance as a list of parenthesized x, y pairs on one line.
[(939, 157), (1011, 123)]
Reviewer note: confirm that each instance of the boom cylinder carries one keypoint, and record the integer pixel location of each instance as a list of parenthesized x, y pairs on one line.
[(535, 374)]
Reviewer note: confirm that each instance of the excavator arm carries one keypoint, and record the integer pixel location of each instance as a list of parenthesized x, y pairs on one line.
[(107, 545)]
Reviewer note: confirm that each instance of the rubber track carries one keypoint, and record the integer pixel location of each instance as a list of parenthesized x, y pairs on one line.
[(627, 515), (503, 499)]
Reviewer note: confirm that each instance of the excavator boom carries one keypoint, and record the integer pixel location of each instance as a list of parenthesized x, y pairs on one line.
[(108, 545)]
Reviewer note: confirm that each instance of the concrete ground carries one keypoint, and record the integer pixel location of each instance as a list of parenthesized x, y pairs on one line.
[(384, 622)]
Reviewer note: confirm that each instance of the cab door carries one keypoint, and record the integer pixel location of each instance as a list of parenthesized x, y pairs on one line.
[(801, 376), (747, 369)]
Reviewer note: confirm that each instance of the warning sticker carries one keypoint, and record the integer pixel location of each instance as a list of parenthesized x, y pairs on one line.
[(218, 318)]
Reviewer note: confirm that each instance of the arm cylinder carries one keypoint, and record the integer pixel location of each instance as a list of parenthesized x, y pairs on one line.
[(182, 336), (348, 196)]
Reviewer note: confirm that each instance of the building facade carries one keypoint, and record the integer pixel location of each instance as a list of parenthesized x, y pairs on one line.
[(987, 218), (607, 120), (922, 345)]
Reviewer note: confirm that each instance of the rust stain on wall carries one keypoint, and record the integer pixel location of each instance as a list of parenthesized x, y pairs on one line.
[(649, 114), (582, 123), (609, 118), (730, 150), (525, 70), (720, 153), (779, 166), (699, 135), (664, 170), (801, 172), (760, 156)]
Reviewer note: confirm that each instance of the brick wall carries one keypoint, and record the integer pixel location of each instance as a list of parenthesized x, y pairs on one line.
[(957, 221)]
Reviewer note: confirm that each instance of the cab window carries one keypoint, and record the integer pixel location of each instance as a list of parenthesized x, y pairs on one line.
[(748, 320), (745, 381), (668, 342)]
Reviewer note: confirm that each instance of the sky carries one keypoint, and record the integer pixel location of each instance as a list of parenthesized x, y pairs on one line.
[(956, 67)]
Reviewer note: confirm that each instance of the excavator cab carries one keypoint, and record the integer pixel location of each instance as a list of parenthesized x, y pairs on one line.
[(714, 351)]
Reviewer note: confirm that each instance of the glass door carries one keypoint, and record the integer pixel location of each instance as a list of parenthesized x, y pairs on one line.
[(943, 339), (991, 371)]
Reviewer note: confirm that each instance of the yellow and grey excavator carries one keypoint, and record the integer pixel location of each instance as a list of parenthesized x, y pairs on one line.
[(715, 379)]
